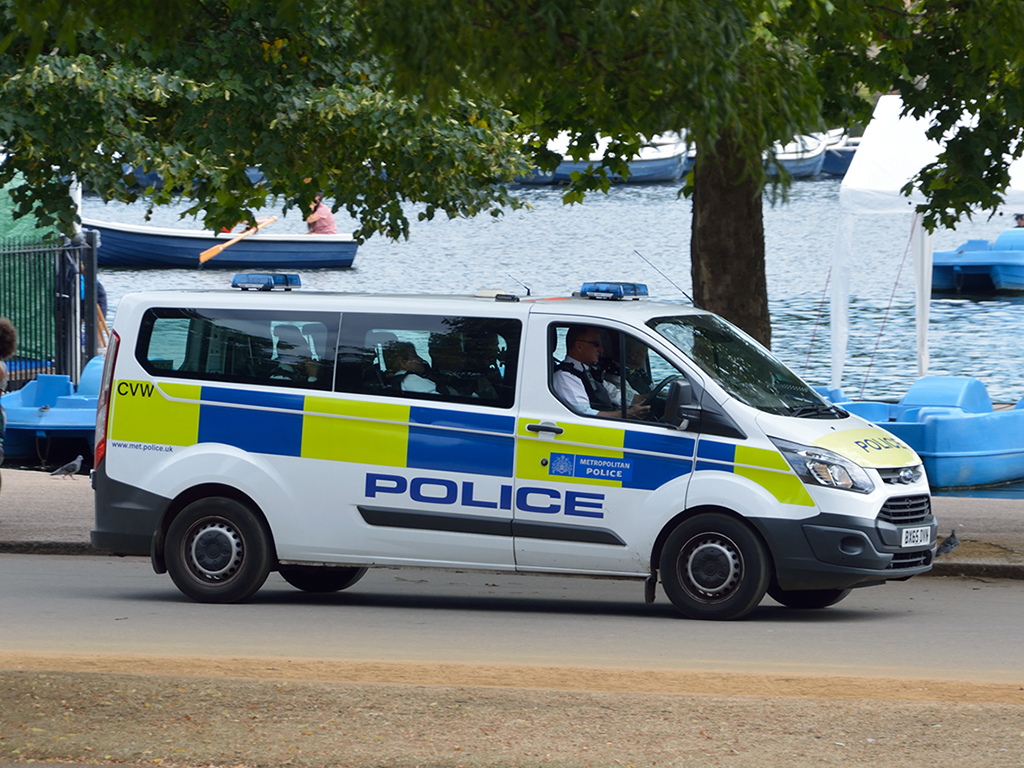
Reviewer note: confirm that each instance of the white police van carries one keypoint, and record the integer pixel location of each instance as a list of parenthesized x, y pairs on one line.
[(319, 435)]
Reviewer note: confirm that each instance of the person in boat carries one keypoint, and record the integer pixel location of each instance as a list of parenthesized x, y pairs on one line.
[(8, 346), (576, 377), (406, 370), (321, 220)]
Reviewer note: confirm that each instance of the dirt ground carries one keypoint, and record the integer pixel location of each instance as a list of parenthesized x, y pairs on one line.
[(247, 712)]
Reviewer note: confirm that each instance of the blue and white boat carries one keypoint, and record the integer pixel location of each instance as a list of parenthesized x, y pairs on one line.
[(839, 151), (802, 158), (665, 158), (980, 266), (51, 407), (951, 424), (128, 245)]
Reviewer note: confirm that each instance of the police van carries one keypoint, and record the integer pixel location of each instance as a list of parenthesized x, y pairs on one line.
[(319, 435)]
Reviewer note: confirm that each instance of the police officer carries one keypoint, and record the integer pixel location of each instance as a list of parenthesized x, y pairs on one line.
[(574, 378)]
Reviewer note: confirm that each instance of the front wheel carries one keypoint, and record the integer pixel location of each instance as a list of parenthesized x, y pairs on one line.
[(807, 598), (218, 551), (319, 578), (714, 567)]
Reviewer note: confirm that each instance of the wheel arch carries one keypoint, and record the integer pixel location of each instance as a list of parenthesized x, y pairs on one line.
[(195, 493), (670, 525)]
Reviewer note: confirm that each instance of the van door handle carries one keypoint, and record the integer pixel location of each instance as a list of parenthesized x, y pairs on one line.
[(552, 428)]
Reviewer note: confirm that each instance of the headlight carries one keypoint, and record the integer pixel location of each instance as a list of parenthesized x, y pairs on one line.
[(816, 466)]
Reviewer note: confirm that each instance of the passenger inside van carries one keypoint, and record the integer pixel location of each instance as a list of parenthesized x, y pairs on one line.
[(456, 371), (636, 373), (577, 385), (294, 360), (406, 369)]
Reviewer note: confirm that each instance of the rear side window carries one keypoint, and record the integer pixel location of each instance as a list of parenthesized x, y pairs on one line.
[(470, 360), (284, 349)]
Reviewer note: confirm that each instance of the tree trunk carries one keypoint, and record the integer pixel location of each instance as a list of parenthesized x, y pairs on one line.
[(727, 242)]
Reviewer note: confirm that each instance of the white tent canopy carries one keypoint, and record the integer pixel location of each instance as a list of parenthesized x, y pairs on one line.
[(892, 150)]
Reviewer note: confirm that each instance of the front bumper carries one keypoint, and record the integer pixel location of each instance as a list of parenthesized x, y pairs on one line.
[(838, 552)]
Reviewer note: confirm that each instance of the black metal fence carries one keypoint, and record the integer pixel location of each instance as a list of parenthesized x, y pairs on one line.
[(48, 290)]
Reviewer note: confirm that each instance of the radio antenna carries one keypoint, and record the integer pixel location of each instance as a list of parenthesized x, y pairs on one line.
[(521, 283), (671, 281)]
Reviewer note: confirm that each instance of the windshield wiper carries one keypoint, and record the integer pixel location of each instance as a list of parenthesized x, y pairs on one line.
[(819, 409)]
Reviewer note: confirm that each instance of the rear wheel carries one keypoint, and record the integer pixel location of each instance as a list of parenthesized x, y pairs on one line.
[(218, 551), (319, 578), (714, 567), (807, 598)]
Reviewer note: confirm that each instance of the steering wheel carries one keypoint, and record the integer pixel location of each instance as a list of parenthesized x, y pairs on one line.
[(657, 411), (662, 384)]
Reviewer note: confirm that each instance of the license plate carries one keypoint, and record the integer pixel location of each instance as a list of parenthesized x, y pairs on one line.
[(915, 537)]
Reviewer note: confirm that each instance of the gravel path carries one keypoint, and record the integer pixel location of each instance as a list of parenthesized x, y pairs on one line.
[(167, 719)]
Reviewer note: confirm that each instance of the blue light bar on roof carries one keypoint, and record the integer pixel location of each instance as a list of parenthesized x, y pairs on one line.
[(613, 290), (266, 282)]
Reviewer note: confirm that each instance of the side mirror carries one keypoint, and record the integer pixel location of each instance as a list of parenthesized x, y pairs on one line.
[(679, 403)]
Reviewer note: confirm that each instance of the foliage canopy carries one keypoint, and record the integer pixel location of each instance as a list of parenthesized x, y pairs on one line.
[(379, 102), (200, 92)]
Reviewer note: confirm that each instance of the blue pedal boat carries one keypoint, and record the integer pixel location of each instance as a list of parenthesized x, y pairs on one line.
[(980, 266), (51, 407), (951, 424)]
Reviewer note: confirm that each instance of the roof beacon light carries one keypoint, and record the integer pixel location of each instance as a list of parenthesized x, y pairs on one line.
[(266, 282), (614, 291)]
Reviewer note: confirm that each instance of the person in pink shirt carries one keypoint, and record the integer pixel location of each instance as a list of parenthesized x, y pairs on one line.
[(320, 221)]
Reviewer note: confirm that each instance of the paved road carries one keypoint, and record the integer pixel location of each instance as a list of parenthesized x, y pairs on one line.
[(927, 628)]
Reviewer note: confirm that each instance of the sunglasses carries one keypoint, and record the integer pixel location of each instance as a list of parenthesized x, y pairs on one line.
[(588, 341)]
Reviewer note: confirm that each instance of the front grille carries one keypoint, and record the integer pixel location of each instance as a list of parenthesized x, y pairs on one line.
[(902, 560), (906, 510)]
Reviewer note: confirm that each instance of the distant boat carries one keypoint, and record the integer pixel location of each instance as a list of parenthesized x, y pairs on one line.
[(839, 151), (980, 266), (127, 245), (51, 407), (142, 178), (662, 159), (801, 158)]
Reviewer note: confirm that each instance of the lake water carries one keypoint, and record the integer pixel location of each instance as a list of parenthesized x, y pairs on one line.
[(553, 248)]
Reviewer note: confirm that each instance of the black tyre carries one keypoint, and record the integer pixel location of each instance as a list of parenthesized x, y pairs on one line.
[(807, 598), (217, 551), (714, 567), (318, 578)]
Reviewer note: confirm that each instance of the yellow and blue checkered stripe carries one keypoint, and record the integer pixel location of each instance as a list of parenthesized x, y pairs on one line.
[(314, 426), (647, 461)]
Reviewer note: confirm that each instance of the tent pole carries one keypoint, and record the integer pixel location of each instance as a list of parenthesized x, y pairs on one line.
[(921, 245)]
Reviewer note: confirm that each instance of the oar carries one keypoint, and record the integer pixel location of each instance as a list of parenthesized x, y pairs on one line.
[(102, 331), (209, 253)]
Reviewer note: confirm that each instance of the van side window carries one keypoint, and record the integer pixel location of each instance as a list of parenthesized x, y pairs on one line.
[(281, 349), (470, 360), (589, 377)]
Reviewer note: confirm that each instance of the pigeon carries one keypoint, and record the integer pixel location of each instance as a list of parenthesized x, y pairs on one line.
[(69, 469), (948, 544)]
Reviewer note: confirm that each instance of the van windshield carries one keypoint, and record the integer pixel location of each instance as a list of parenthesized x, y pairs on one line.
[(742, 367)]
